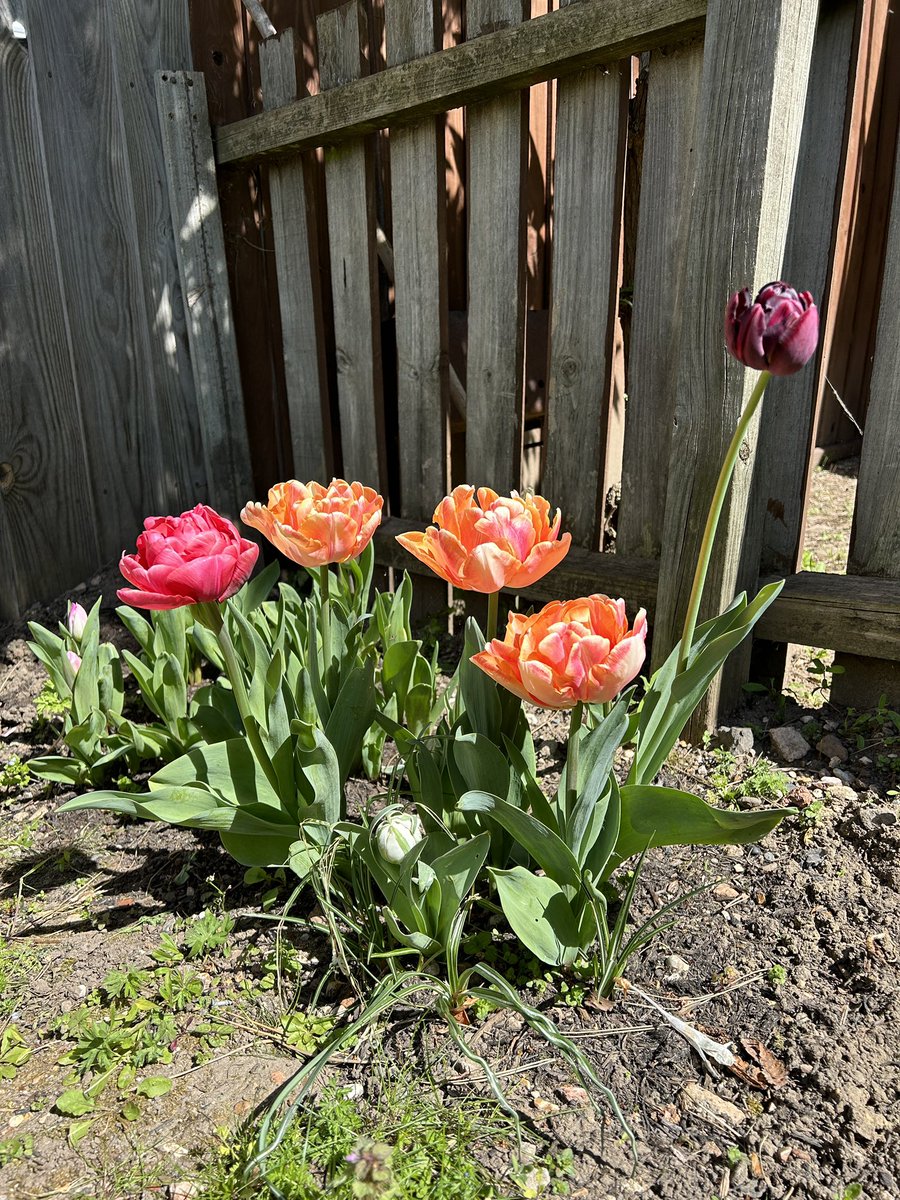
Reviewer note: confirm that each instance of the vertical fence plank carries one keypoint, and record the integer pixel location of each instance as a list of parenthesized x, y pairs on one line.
[(586, 226), (496, 134), (755, 71), (149, 35), (193, 200), (354, 271), (666, 181), (419, 215), (301, 324), (84, 136), (48, 537)]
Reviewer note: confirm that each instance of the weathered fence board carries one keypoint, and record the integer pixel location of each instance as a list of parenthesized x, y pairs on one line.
[(148, 33), (419, 215), (354, 269), (47, 521), (586, 225), (559, 43), (496, 135), (84, 135), (753, 90), (667, 178), (301, 317), (193, 200)]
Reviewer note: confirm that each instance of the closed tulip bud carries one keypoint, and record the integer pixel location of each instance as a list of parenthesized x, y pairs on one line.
[(76, 619), (777, 333), (74, 661), (397, 834)]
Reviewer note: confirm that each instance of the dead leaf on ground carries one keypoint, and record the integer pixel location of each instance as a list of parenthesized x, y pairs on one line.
[(763, 1071)]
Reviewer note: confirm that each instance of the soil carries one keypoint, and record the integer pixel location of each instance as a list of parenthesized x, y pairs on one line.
[(790, 954)]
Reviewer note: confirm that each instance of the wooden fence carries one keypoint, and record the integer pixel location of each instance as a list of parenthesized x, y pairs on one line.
[(737, 150)]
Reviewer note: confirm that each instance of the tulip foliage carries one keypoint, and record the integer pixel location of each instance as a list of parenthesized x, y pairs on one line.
[(306, 687)]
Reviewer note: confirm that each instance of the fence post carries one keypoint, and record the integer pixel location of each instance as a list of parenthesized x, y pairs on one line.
[(194, 204), (755, 69), (875, 545), (298, 292)]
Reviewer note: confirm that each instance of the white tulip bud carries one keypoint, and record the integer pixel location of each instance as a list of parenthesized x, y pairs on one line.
[(76, 619), (397, 834)]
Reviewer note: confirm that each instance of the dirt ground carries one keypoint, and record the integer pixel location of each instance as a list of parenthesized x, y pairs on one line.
[(790, 954)]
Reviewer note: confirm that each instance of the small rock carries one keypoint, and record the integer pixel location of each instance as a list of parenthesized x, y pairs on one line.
[(184, 1189), (832, 747), (737, 738), (845, 776), (572, 1094), (888, 817), (847, 794), (790, 745), (724, 891), (676, 968), (830, 781), (695, 1098)]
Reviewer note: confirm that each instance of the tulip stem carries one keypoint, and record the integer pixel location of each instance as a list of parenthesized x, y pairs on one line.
[(325, 587), (572, 758), (242, 699), (712, 519), (493, 615)]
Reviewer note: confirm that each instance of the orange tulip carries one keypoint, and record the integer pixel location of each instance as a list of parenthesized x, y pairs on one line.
[(571, 652), (483, 542), (314, 525)]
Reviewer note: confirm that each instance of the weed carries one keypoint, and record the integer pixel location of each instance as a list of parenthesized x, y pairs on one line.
[(731, 782), (14, 776), (13, 1052), (49, 704), (306, 1032), (18, 966), (16, 1147), (734, 1155), (207, 933), (777, 975)]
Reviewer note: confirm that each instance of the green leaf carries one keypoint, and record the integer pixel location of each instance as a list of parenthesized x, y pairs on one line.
[(482, 766), (78, 1130), (661, 816), (596, 754), (539, 914), (478, 692), (549, 851), (457, 871), (74, 1103), (131, 1111), (228, 768), (353, 713), (154, 1085), (258, 589)]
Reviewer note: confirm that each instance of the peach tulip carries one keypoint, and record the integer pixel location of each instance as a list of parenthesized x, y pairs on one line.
[(482, 542), (313, 525), (571, 652)]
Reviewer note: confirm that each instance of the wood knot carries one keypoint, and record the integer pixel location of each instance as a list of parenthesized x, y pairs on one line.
[(7, 478), (744, 452)]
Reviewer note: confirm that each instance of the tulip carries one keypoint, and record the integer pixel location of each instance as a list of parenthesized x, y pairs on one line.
[(482, 542), (313, 525), (197, 558), (570, 653), (76, 619), (777, 333), (74, 661), (397, 834)]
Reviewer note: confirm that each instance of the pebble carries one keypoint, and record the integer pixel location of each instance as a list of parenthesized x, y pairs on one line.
[(831, 747), (724, 891), (696, 1098), (790, 745), (845, 776), (737, 738), (676, 968)]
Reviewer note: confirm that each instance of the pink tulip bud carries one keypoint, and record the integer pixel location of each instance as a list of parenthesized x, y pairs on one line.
[(74, 661), (76, 619), (778, 332)]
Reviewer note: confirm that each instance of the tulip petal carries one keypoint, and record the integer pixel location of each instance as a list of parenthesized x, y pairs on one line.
[(542, 559), (152, 600)]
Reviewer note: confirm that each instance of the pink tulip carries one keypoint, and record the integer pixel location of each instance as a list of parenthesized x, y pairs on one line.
[(571, 652), (76, 619), (777, 333), (196, 558), (74, 661)]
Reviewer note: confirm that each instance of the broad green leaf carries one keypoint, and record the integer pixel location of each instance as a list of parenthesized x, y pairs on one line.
[(74, 1103), (478, 692), (482, 766), (549, 851), (258, 589), (457, 871), (154, 1085), (353, 713), (57, 769), (539, 914), (596, 754), (660, 816), (228, 768)]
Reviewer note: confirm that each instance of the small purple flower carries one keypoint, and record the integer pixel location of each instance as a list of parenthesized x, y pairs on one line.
[(778, 332)]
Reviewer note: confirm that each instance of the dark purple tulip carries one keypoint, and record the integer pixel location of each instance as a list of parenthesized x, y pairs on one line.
[(778, 332)]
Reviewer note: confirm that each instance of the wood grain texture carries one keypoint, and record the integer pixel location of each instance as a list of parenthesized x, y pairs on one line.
[(875, 545), (419, 213), (586, 219), (847, 613), (563, 42), (666, 183), (194, 204), (47, 521), (354, 271), (778, 498), (753, 91), (85, 141), (149, 35), (497, 141), (301, 318)]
